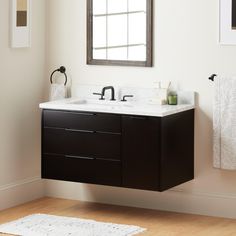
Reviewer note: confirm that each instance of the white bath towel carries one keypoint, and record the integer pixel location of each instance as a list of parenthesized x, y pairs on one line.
[(224, 123), (57, 92)]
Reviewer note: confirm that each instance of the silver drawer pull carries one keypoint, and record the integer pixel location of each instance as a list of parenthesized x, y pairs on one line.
[(81, 131), (138, 117), (82, 113), (79, 157)]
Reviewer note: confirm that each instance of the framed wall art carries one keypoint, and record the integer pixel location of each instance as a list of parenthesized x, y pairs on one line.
[(20, 23), (228, 22)]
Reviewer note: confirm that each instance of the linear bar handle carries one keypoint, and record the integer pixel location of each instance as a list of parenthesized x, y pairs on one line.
[(81, 131), (79, 157), (138, 117)]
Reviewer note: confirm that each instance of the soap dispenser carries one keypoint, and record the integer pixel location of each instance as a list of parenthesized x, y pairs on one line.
[(161, 92)]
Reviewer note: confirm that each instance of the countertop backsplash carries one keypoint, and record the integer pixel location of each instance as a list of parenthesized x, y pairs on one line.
[(141, 95)]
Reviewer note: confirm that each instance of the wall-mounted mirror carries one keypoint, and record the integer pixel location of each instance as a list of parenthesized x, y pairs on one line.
[(119, 32)]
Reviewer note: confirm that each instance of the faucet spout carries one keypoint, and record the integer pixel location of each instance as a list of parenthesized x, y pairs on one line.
[(112, 92)]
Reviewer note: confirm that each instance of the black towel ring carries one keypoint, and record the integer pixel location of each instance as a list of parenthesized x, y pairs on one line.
[(62, 69)]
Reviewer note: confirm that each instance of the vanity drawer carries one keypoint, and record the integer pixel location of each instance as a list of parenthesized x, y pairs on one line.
[(108, 172), (70, 169), (82, 121), (81, 170), (78, 143)]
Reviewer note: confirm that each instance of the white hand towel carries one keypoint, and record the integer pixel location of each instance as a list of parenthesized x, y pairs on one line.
[(224, 123), (57, 92)]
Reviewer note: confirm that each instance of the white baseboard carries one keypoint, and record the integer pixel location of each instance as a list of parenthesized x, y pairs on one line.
[(20, 192), (175, 200)]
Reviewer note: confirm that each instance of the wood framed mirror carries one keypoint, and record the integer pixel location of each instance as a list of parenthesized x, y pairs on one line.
[(119, 32)]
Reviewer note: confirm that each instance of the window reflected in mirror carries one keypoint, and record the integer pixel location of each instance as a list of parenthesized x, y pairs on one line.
[(120, 32), (21, 16)]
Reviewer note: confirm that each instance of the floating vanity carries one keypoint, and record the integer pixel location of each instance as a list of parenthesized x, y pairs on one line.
[(121, 144)]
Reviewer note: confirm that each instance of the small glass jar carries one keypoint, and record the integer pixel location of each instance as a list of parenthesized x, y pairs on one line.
[(172, 99)]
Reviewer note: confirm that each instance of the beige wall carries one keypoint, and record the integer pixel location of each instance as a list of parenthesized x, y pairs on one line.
[(186, 51), (22, 81)]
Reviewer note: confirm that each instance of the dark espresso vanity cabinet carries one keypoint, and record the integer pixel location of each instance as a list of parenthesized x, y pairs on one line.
[(141, 152)]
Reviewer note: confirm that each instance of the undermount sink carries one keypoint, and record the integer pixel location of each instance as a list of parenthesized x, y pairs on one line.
[(99, 103)]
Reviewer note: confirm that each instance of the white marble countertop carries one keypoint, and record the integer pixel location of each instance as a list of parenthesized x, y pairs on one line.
[(116, 107)]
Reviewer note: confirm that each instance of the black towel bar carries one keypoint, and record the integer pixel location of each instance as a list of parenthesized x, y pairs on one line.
[(62, 69), (212, 77)]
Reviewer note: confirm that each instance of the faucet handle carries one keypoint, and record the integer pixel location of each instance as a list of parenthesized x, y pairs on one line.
[(126, 96), (100, 94)]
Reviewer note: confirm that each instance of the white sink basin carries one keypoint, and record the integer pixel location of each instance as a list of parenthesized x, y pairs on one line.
[(101, 103)]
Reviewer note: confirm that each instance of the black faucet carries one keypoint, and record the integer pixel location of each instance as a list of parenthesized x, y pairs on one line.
[(102, 94)]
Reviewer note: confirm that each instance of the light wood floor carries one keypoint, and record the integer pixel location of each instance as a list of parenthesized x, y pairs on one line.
[(158, 223)]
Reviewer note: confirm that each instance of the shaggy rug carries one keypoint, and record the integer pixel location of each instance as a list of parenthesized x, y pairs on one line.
[(49, 225)]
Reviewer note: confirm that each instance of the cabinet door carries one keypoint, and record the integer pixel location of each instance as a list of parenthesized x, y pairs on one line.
[(140, 152)]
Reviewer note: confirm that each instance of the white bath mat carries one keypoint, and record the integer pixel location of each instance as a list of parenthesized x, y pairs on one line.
[(48, 225)]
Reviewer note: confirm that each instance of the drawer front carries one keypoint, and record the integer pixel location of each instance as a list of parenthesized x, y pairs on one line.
[(61, 168), (108, 172), (81, 170), (85, 144), (82, 121)]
